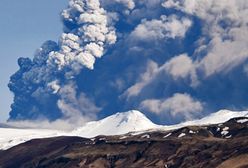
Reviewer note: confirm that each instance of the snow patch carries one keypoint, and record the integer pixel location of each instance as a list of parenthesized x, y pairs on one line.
[(225, 128), (123, 137), (191, 132), (181, 135), (242, 120), (147, 136), (167, 135), (224, 133)]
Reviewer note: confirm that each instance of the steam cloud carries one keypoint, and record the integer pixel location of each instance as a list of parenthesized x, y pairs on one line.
[(176, 59)]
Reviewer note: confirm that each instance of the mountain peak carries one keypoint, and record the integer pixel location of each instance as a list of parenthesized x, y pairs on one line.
[(131, 113), (119, 123), (130, 116)]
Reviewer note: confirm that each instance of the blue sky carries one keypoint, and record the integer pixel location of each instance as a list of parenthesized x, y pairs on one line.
[(174, 60), (24, 26)]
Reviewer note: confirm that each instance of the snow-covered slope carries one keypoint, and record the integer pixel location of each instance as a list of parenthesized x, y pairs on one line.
[(119, 123), (13, 136), (218, 117), (214, 118)]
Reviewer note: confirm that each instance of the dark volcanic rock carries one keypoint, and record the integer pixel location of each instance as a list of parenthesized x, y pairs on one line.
[(223, 146)]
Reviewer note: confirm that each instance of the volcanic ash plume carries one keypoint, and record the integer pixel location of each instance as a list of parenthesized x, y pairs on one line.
[(44, 86), (174, 60)]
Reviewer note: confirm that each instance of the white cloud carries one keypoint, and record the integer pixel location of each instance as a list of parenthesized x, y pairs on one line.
[(73, 106), (94, 49), (177, 105), (226, 24), (54, 86), (179, 66), (223, 56), (81, 46), (163, 28), (97, 17), (129, 4), (145, 78), (83, 59), (59, 124), (150, 4)]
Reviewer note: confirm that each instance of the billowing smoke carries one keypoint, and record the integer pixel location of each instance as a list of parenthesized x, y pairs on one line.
[(45, 87), (172, 59)]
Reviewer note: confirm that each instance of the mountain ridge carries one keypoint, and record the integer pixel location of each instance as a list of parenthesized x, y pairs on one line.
[(120, 123), (219, 145)]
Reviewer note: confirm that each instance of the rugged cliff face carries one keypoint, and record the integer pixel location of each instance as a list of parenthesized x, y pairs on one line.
[(222, 145)]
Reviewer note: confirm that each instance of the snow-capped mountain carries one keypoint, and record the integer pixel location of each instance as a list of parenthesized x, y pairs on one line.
[(117, 124)]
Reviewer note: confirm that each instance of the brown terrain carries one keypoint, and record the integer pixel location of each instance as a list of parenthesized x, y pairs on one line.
[(214, 146)]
